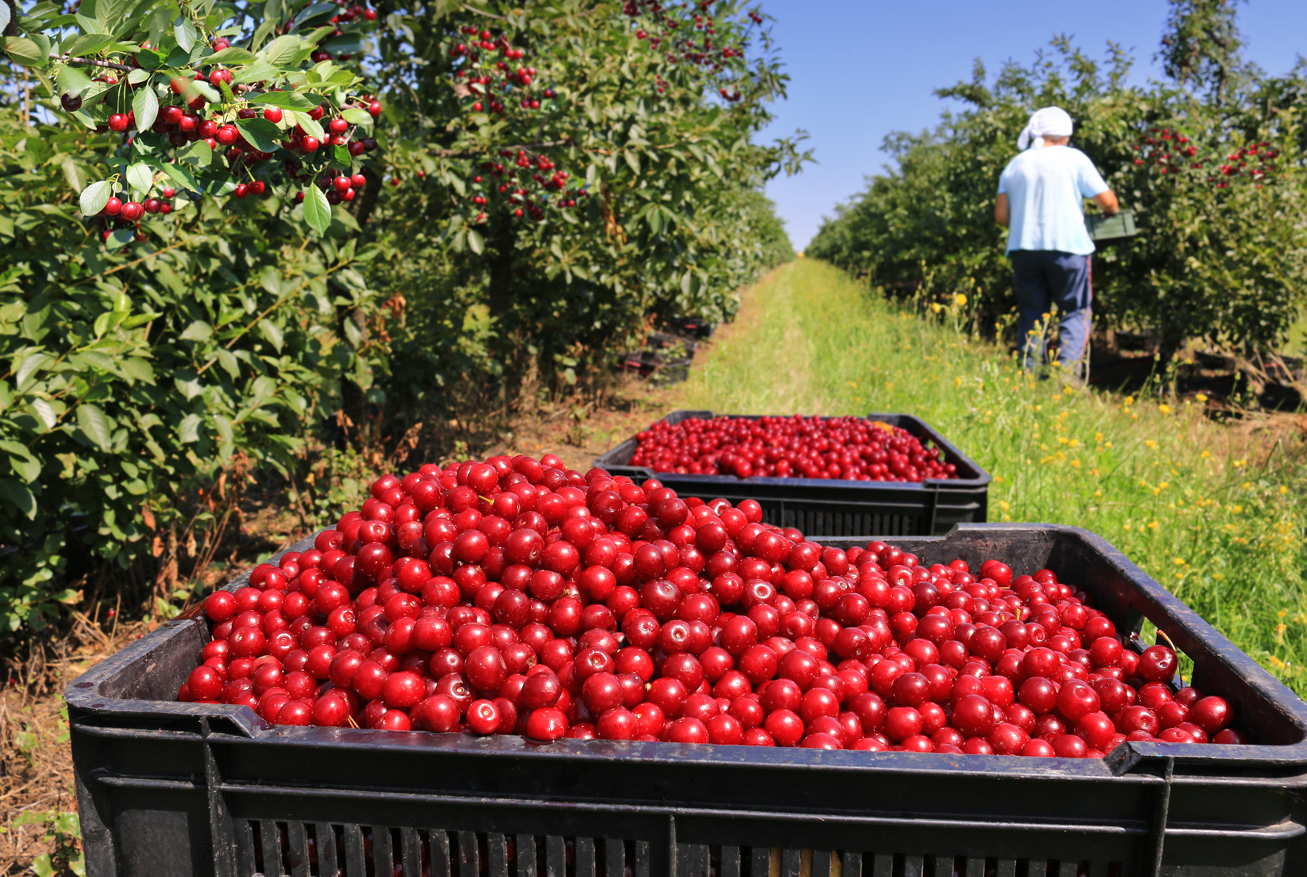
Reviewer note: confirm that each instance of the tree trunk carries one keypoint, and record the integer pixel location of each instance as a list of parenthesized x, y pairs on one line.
[(503, 240)]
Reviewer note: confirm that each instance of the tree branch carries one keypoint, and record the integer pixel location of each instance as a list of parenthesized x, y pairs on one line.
[(483, 12), (91, 62), (474, 153)]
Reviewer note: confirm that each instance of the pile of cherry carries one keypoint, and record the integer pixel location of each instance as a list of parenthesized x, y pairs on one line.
[(850, 448), (517, 597)]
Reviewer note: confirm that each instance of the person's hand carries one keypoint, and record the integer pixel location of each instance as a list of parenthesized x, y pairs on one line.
[(1107, 203)]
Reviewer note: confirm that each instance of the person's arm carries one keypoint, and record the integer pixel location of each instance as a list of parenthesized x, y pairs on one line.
[(1107, 203), (1002, 212)]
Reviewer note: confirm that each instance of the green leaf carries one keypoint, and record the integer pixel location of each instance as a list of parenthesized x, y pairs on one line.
[(146, 106), (45, 411), (315, 11), (286, 100), (73, 174), (229, 362), (211, 94), (188, 383), (317, 212), (140, 177), (475, 241), (632, 159), (29, 469), (189, 429), (200, 152), (89, 44), (185, 33), (261, 33), (178, 173), (5, 17), (18, 496), (357, 116), (270, 279), (282, 50), (96, 424), (231, 55), (223, 426), (262, 134), (23, 51), (95, 196), (256, 72), (197, 331), (31, 365), (309, 125), (111, 13), (345, 44), (72, 80), (138, 369), (271, 334)]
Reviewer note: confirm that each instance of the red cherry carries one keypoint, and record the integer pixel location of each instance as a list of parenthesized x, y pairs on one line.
[(546, 725), (1157, 664)]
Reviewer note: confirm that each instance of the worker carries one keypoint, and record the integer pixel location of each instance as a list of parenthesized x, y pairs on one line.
[(1040, 199)]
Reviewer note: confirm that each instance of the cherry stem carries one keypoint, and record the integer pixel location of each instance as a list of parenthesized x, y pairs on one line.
[(91, 62)]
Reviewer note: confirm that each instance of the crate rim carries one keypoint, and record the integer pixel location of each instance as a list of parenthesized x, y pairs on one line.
[(983, 479), (83, 694)]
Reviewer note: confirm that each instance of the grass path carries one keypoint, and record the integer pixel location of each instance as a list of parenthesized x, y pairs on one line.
[(1216, 513)]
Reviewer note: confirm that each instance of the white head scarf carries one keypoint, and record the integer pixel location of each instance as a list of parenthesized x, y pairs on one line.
[(1048, 122)]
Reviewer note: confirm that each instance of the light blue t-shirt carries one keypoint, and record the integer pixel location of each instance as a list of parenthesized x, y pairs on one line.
[(1045, 188)]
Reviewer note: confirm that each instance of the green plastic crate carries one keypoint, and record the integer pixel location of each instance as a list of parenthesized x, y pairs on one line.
[(1106, 228)]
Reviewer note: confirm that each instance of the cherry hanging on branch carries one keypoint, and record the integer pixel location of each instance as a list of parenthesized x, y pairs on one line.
[(221, 104)]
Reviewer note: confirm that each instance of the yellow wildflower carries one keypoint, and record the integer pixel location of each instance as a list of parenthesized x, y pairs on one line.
[(1154, 525), (1150, 444), (1201, 397), (960, 300), (1165, 409)]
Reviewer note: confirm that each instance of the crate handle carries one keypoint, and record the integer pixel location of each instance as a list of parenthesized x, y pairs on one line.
[(1151, 864), (221, 828)]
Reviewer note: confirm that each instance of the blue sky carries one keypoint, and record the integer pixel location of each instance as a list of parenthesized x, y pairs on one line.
[(862, 68)]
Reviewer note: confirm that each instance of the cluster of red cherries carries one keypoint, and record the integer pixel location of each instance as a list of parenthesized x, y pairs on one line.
[(688, 28), (849, 448), (193, 119), (1171, 152), (511, 182), (514, 596), (489, 81)]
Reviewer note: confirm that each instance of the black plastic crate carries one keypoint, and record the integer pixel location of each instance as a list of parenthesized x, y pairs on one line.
[(694, 327), (662, 342), (657, 368), (824, 508), (168, 788)]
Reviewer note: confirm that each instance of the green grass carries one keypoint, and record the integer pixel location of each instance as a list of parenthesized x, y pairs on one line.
[(1215, 513)]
